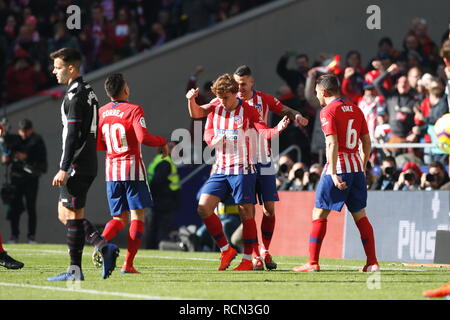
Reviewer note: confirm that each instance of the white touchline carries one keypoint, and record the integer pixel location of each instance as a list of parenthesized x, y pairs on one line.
[(206, 259), (97, 292)]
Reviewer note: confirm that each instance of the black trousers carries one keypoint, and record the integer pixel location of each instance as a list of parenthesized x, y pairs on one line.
[(27, 189)]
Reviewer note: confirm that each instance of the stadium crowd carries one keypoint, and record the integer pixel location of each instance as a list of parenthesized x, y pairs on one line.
[(111, 30), (402, 94)]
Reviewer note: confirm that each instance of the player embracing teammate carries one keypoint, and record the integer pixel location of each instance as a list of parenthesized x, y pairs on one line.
[(265, 174)]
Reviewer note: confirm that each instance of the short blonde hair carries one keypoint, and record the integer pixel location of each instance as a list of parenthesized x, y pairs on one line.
[(224, 84)]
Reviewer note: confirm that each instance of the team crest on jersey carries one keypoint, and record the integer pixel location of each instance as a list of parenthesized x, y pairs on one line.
[(142, 122), (238, 120)]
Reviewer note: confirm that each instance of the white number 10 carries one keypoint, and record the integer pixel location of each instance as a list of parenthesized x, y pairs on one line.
[(352, 135), (112, 134)]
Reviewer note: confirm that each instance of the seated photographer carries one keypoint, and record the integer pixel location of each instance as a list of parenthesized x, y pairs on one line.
[(284, 167), (295, 179), (25, 156), (389, 175), (436, 177), (409, 178), (312, 177)]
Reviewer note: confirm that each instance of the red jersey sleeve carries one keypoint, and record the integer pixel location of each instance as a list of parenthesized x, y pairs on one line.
[(257, 122), (327, 121), (101, 145), (364, 127), (274, 104), (142, 134)]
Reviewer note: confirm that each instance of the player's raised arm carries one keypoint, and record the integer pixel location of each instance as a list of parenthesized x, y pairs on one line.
[(195, 110), (294, 116)]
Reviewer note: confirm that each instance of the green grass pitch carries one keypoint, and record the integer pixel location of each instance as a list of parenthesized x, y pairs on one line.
[(170, 275)]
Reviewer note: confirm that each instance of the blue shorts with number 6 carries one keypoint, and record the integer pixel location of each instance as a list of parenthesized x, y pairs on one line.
[(331, 198)]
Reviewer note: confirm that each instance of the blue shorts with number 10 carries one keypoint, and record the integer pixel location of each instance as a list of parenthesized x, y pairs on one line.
[(329, 197), (128, 195)]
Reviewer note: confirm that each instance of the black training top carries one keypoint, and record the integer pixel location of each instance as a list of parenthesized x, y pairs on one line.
[(79, 119)]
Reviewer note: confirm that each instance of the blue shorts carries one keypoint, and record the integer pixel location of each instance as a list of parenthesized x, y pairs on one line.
[(266, 188), (331, 198), (241, 187), (127, 195)]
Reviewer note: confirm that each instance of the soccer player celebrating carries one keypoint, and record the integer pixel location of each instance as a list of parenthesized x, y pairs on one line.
[(121, 131), (78, 166), (228, 129), (265, 174), (343, 181)]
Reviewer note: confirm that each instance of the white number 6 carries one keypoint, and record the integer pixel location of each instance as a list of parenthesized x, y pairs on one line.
[(352, 135)]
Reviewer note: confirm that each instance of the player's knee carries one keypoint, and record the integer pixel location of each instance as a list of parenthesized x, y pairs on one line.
[(203, 211), (269, 212)]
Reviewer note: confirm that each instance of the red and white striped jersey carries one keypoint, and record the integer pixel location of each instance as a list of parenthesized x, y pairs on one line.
[(347, 121), (121, 131), (264, 103), (241, 128)]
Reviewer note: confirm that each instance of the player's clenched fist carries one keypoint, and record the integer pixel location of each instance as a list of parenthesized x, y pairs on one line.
[(300, 120), (338, 183), (192, 94)]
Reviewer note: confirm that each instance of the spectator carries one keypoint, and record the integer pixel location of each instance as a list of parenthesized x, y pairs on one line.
[(285, 164), (400, 105), (62, 39), (352, 83), (125, 35), (294, 181), (296, 135), (23, 78), (436, 177), (389, 175), (27, 159), (409, 178), (312, 177), (97, 40), (293, 77)]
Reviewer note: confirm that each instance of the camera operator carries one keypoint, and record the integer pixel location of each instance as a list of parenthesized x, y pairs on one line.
[(389, 175), (409, 178), (285, 164), (435, 178), (25, 156), (294, 181), (312, 177)]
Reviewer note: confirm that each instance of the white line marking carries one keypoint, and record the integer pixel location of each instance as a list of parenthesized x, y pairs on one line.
[(214, 260), (104, 293)]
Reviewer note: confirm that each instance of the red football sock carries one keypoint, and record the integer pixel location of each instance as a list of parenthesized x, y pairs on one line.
[(112, 228), (368, 239), (1, 243), (215, 229), (267, 227), (135, 236), (319, 229), (249, 235)]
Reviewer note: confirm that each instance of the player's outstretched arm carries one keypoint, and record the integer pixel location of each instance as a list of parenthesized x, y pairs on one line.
[(294, 116), (142, 134), (268, 133), (195, 110)]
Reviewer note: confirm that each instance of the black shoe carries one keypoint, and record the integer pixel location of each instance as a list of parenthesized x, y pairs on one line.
[(8, 262)]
